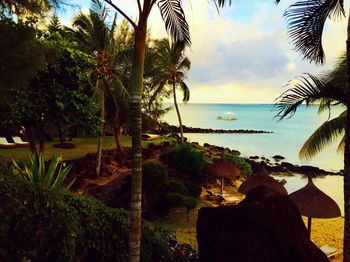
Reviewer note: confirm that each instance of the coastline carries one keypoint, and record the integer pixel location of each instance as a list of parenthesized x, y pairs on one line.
[(276, 164)]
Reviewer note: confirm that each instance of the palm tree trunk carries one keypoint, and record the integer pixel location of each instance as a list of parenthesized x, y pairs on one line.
[(178, 112), (116, 132), (346, 252), (135, 108), (100, 139), (41, 135), (60, 134), (30, 136)]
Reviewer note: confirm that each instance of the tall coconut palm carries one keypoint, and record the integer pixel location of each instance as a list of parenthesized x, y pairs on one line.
[(326, 90), (169, 71), (175, 22), (97, 36), (306, 21)]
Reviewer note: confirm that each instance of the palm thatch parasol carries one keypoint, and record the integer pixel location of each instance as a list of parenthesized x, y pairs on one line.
[(313, 203), (223, 168), (262, 179)]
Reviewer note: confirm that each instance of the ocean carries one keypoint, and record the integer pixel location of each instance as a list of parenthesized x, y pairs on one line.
[(287, 138)]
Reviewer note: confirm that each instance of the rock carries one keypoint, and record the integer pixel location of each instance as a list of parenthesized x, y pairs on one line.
[(309, 169), (264, 227), (235, 152), (206, 145), (254, 157), (166, 144), (278, 157), (288, 166), (128, 163)]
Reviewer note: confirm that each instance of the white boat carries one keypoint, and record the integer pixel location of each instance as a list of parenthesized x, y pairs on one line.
[(226, 118)]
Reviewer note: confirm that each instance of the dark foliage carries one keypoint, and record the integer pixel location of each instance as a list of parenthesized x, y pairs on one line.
[(184, 158), (40, 225)]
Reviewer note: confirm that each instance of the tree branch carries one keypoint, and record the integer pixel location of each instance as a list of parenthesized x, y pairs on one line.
[(152, 3), (139, 5), (122, 13)]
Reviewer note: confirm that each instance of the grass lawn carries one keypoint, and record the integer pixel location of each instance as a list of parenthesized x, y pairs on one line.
[(84, 145), (177, 222)]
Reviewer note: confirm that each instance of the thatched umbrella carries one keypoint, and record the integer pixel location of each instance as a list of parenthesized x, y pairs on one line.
[(313, 203), (262, 179), (223, 168)]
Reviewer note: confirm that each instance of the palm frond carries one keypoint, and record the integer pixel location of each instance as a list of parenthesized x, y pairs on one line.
[(185, 64), (341, 145), (175, 21), (185, 91), (308, 89), (306, 20), (323, 136), (222, 3)]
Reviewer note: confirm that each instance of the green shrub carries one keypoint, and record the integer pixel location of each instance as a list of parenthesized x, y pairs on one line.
[(154, 178), (184, 158), (51, 177), (41, 225), (194, 190), (190, 203), (173, 199), (177, 187), (246, 169)]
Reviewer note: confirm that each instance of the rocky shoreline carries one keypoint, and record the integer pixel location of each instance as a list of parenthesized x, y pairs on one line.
[(186, 129), (276, 164)]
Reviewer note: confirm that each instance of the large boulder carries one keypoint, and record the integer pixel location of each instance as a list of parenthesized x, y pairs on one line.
[(266, 226)]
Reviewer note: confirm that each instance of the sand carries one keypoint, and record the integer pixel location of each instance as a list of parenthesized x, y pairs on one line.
[(328, 232)]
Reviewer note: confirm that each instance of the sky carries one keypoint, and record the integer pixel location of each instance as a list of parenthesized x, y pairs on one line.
[(240, 55)]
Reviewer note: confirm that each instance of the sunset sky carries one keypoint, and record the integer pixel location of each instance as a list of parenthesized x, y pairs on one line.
[(241, 55)]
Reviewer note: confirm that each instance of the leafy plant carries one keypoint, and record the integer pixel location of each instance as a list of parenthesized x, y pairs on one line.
[(38, 224), (194, 189), (246, 169), (177, 187), (184, 158), (190, 203), (51, 177), (155, 177)]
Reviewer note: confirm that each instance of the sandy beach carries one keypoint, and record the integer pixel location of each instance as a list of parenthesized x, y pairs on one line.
[(328, 232)]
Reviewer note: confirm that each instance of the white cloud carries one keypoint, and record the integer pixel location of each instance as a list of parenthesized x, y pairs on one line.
[(243, 52)]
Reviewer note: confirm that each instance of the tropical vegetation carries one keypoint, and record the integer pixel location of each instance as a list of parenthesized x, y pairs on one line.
[(306, 22), (326, 91)]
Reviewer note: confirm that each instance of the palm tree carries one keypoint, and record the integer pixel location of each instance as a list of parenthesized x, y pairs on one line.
[(328, 90), (97, 37), (175, 22), (306, 21), (169, 70)]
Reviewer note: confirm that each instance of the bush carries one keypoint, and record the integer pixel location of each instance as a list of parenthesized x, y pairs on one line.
[(184, 158), (41, 225), (154, 178), (173, 199), (246, 169), (51, 176), (194, 190), (177, 187)]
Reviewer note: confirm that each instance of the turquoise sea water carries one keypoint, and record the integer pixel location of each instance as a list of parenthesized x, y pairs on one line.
[(287, 138)]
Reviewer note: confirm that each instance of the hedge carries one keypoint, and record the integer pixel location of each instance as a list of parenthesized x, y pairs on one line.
[(39, 225)]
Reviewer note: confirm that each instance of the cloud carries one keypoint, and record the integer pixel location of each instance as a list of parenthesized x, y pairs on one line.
[(244, 51)]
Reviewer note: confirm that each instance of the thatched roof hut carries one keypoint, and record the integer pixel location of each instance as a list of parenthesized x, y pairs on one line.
[(313, 203), (262, 179), (223, 168)]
